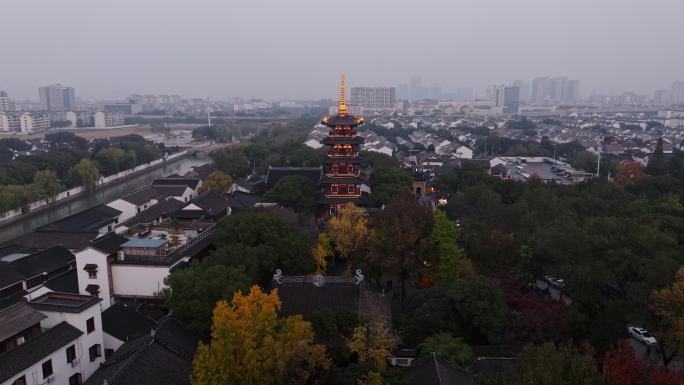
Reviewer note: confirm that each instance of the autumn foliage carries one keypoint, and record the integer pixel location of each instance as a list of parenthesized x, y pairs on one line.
[(623, 367), (250, 345)]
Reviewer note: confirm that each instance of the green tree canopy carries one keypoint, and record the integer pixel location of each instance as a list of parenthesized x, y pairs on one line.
[(296, 192), (263, 241), (448, 347), (387, 184), (192, 293)]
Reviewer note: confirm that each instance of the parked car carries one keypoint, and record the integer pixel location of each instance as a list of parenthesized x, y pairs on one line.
[(558, 283), (642, 335)]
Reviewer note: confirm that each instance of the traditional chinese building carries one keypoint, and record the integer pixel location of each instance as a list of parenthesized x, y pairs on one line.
[(341, 166)]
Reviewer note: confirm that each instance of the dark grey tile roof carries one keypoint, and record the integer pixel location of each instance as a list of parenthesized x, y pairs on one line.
[(164, 209), (74, 240), (64, 283), (34, 350), (277, 173), (171, 191), (8, 276), (45, 261), (125, 322), (142, 196), (434, 370), (88, 220), (170, 181), (240, 201), (162, 359), (16, 318), (305, 298), (109, 244), (211, 204), (64, 302)]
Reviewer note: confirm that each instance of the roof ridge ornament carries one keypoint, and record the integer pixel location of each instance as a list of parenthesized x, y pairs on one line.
[(342, 107), (358, 277), (278, 276)]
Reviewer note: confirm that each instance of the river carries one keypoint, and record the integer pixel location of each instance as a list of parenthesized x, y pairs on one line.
[(104, 195)]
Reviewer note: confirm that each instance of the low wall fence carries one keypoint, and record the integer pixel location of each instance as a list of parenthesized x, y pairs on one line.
[(80, 189)]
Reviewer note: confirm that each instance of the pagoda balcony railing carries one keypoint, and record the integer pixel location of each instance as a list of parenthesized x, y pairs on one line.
[(341, 175), (344, 155), (349, 195)]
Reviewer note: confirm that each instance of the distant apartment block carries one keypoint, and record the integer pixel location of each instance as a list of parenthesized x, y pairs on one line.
[(108, 119), (557, 90), (6, 104), (369, 100), (30, 123), (507, 97), (677, 92), (57, 97)]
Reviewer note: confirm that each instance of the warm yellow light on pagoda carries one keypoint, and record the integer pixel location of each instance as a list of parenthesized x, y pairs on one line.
[(342, 107)]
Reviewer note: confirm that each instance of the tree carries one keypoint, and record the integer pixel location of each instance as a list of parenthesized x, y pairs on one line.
[(473, 308), (251, 345), (87, 174), (321, 251), (656, 164), (668, 306), (231, 161), (373, 342), (46, 184), (401, 238), (111, 160), (546, 364), (192, 293), (348, 229), (262, 241), (451, 262), (296, 192), (448, 347), (387, 184), (622, 367), (217, 182), (629, 171)]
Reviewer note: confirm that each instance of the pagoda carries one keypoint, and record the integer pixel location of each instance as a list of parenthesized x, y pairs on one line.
[(341, 182)]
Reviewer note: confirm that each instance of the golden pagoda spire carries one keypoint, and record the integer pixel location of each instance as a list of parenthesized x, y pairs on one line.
[(342, 107)]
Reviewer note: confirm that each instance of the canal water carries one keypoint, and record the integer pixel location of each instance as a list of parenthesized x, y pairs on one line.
[(104, 195)]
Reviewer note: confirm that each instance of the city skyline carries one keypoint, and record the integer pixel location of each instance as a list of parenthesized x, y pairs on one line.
[(277, 50)]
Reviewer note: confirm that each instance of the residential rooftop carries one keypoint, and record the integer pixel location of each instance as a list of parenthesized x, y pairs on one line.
[(64, 302)]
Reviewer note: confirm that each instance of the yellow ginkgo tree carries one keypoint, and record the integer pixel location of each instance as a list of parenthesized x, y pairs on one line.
[(250, 345)]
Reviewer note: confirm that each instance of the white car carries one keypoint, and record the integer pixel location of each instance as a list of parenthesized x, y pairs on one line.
[(554, 281), (642, 335)]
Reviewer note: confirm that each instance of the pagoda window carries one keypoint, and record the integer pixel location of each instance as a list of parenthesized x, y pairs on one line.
[(333, 189), (350, 169), (343, 189), (334, 169), (351, 189)]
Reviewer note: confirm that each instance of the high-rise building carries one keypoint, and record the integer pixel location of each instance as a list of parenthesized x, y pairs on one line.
[(507, 97), (341, 167), (6, 104), (57, 97), (524, 90), (661, 97), (558, 89), (540, 90), (677, 92), (416, 89), (435, 92), (32, 123), (366, 100), (572, 91)]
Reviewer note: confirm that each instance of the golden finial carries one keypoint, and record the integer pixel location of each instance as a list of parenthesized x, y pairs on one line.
[(342, 108)]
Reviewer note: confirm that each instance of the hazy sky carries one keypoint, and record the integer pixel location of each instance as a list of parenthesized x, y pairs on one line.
[(298, 48)]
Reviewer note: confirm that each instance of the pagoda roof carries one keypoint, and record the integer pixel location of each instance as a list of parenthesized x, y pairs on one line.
[(342, 120), (350, 159), (361, 200), (343, 180), (343, 140)]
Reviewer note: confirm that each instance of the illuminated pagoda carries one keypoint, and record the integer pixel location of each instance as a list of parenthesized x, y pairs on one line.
[(342, 165)]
